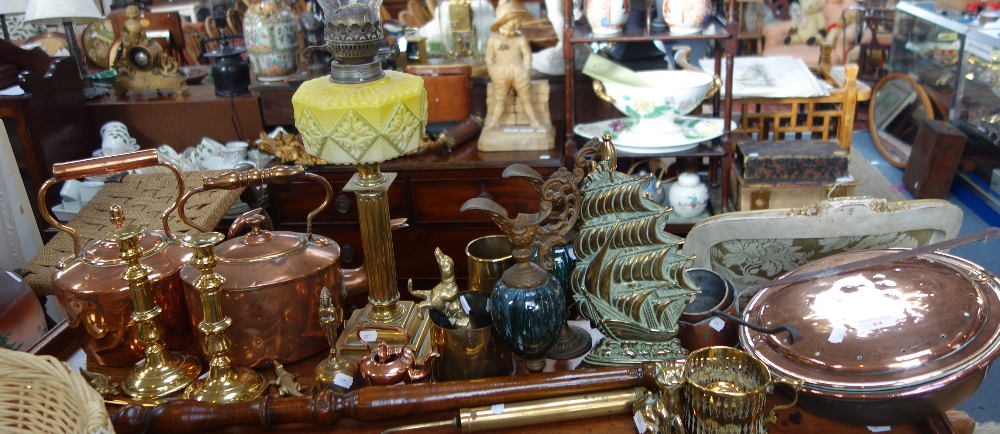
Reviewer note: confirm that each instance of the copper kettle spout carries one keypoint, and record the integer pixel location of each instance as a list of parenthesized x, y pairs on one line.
[(419, 374)]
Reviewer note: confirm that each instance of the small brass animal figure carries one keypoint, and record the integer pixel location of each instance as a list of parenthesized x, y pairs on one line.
[(286, 382), (103, 384), (444, 296)]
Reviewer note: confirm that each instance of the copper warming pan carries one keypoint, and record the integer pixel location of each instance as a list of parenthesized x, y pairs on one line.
[(891, 343), (273, 278)]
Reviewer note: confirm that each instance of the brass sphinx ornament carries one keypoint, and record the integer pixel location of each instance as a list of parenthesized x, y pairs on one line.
[(287, 148), (142, 64), (630, 279)]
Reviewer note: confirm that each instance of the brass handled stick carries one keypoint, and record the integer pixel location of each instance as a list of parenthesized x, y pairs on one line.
[(377, 403)]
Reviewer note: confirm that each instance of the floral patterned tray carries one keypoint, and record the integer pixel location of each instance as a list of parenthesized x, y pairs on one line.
[(696, 130)]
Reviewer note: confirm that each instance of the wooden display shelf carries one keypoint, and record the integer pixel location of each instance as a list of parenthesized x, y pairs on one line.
[(61, 343)]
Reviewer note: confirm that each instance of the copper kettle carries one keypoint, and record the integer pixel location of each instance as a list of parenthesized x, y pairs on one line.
[(385, 365), (89, 284), (273, 278)]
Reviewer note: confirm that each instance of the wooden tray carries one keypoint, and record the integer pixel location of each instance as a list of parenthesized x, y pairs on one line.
[(61, 342)]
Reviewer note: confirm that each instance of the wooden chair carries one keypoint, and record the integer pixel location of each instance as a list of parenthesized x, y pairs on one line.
[(754, 247), (193, 34), (751, 14)]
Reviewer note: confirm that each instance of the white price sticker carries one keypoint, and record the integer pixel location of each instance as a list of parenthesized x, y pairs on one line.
[(368, 335), (342, 380), (640, 424), (879, 428), (875, 323), (837, 335), (497, 408), (717, 323), (465, 305)]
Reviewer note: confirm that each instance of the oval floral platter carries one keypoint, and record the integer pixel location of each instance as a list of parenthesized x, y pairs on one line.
[(696, 130)]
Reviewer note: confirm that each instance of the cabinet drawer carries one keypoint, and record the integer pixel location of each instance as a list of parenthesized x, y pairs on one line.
[(441, 200), (295, 200)]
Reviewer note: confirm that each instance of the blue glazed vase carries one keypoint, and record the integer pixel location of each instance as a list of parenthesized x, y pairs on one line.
[(529, 319)]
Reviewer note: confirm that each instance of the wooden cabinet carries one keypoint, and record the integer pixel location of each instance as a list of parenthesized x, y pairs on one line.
[(428, 192)]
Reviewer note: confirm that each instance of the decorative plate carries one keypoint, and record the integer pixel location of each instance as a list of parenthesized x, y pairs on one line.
[(97, 40), (696, 130)]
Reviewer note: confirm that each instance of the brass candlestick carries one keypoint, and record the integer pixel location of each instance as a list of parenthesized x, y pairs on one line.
[(370, 186), (162, 372), (224, 383)]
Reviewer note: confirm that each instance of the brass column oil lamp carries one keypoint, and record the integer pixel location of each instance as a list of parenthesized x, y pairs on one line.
[(224, 383), (161, 372), (363, 115)]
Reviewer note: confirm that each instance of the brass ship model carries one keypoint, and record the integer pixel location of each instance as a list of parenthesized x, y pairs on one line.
[(630, 279)]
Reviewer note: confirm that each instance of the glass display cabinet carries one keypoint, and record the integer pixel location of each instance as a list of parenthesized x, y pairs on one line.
[(927, 45), (977, 113)]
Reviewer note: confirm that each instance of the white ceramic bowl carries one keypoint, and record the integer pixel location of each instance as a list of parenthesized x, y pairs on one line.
[(675, 93)]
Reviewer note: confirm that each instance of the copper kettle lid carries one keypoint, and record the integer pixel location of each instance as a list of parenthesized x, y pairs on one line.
[(263, 257), (890, 326), (105, 251)]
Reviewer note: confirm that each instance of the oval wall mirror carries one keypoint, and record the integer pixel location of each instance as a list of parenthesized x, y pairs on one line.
[(898, 106)]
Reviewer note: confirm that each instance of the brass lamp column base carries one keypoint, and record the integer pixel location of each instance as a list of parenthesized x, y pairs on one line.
[(371, 186), (162, 372), (224, 383)]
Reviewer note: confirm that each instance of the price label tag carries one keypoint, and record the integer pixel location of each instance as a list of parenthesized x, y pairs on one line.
[(368, 335), (543, 157), (717, 323), (837, 335), (640, 424), (14, 276), (875, 323), (345, 381), (879, 428), (497, 408), (465, 304)]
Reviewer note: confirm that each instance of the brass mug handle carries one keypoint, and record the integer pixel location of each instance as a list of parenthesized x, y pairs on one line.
[(795, 385), (714, 87), (599, 90), (103, 166), (255, 178)]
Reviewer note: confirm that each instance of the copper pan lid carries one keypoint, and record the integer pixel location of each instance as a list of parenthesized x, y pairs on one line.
[(905, 324)]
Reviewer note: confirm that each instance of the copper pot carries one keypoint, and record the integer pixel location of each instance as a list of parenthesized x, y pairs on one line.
[(893, 343), (273, 279), (698, 327), (89, 285)]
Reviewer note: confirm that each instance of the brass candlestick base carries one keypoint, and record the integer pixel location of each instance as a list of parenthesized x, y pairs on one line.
[(573, 342), (162, 372), (224, 383), (370, 186)]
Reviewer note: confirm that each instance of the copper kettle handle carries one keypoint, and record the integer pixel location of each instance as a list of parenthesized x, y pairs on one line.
[(380, 327), (256, 178), (102, 166)]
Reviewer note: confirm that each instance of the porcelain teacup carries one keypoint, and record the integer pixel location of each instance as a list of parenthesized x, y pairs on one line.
[(207, 148), (234, 152), (70, 191), (114, 146), (113, 126)]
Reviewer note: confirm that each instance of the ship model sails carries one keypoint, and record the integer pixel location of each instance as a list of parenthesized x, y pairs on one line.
[(630, 279)]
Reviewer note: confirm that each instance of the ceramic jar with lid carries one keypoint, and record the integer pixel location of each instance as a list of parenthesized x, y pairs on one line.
[(685, 17), (607, 16), (688, 196), (271, 33)]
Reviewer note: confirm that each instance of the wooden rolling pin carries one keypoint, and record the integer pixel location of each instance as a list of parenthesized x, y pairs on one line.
[(376, 403)]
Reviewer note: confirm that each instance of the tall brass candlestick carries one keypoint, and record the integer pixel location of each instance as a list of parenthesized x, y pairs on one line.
[(162, 372), (224, 383)]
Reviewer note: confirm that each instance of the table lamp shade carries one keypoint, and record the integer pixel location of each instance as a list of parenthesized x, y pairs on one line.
[(59, 11), (361, 123), (9, 7)]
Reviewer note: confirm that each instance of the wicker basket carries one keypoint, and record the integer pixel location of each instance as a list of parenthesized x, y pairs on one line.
[(40, 394)]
